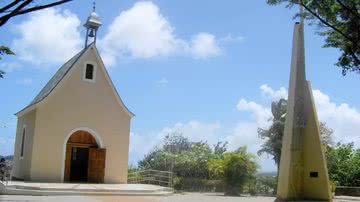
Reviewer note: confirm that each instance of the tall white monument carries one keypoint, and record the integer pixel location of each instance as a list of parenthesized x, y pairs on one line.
[(303, 173)]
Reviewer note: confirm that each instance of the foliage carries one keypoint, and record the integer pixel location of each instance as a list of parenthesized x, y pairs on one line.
[(239, 169), (273, 135), (326, 134), (199, 167), (216, 168), (266, 185), (178, 154), (220, 148), (344, 164), (5, 166), (338, 21), (198, 185), (9, 157), (4, 51)]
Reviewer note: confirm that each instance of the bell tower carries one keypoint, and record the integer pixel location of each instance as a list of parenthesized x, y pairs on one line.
[(92, 25)]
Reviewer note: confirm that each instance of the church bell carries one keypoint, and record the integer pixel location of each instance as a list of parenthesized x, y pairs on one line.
[(91, 34)]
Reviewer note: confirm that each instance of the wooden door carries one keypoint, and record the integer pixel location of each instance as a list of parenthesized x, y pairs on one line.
[(67, 163), (96, 167)]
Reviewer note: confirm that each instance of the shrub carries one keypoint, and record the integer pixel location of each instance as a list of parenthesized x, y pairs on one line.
[(266, 185), (239, 169)]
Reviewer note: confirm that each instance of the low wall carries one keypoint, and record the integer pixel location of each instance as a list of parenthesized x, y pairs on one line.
[(347, 191)]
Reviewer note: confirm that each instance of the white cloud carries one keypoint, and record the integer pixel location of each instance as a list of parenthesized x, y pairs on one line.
[(162, 82), (343, 119), (273, 94), (230, 38), (143, 32), (48, 36), (141, 144), (25, 81), (244, 134), (261, 113), (53, 35), (204, 45), (194, 130)]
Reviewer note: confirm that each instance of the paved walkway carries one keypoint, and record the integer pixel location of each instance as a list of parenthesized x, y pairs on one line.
[(187, 197), (89, 187)]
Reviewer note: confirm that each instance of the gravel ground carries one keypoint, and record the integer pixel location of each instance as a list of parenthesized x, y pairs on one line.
[(187, 197)]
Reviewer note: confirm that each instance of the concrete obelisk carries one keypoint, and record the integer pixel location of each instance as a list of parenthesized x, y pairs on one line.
[(303, 173)]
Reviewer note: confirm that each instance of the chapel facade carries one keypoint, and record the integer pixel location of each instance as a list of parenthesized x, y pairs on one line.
[(77, 128)]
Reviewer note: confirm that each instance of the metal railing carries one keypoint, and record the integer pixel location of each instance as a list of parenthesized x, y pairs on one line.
[(155, 177)]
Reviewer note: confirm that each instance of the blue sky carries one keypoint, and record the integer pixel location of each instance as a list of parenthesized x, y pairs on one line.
[(207, 69)]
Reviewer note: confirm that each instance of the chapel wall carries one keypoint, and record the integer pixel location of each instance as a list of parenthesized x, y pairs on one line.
[(76, 103)]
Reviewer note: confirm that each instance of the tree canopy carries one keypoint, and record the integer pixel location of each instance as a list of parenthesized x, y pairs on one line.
[(338, 21), (343, 162), (273, 135), (198, 160)]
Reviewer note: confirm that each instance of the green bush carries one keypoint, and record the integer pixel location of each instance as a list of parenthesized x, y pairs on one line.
[(266, 185), (239, 170), (178, 183), (343, 163)]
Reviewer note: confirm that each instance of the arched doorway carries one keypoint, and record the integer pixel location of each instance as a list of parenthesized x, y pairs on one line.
[(84, 160)]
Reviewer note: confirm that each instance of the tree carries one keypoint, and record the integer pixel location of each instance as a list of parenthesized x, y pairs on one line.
[(265, 184), (10, 9), (220, 148), (343, 162), (274, 134), (339, 22), (326, 134), (194, 163), (183, 157)]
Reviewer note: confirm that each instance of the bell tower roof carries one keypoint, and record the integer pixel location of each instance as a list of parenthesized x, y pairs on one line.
[(92, 24), (93, 21)]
